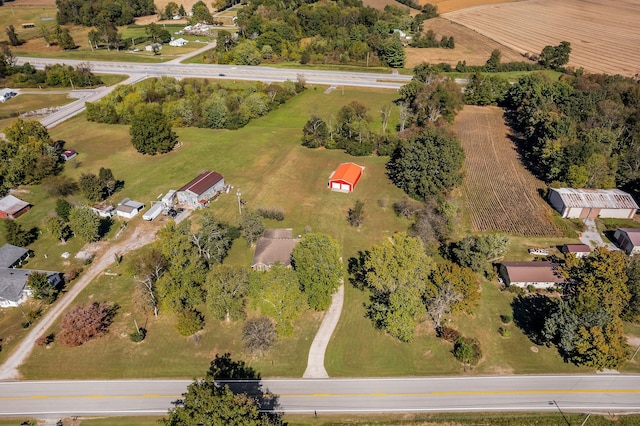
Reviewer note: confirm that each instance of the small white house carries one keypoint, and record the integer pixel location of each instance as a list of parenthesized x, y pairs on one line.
[(153, 212), (178, 42), (6, 94), (128, 208)]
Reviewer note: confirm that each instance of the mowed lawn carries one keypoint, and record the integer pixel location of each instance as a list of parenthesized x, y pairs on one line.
[(265, 160)]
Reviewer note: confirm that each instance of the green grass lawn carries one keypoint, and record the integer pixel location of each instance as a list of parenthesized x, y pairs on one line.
[(25, 103)]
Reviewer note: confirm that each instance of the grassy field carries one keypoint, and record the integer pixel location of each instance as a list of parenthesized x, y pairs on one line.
[(261, 159), (16, 14), (25, 103)]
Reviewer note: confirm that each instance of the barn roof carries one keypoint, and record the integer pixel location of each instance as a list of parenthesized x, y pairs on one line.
[(10, 254), (633, 234), (577, 248), (12, 205), (348, 172), (596, 198), (530, 272), (276, 245), (202, 183)]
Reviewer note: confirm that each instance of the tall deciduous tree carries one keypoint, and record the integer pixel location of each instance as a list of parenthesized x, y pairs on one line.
[(146, 268), (151, 132), (13, 37), (428, 164), (316, 260), (57, 227), (90, 186), (227, 289), (212, 240), (85, 223), (278, 295), (397, 273), (252, 226), (315, 133), (631, 311), (39, 284)]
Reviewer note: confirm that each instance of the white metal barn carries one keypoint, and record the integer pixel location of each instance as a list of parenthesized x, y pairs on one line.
[(153, 212), (592, 203)]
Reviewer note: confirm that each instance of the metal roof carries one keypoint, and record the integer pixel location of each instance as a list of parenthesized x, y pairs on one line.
[(202, 183), (596, 198), (533, 272), (347, 172), (12, 205), (633, 234)]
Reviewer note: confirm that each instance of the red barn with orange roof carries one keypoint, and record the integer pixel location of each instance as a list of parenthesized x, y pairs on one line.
[(346, 177)]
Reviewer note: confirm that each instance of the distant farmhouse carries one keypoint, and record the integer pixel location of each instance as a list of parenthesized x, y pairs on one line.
[(200, 190), (12, 207), (578, 250), (345, 177), (275, 246), (628, 239), (592, 203), (13, 282), (537, 274)]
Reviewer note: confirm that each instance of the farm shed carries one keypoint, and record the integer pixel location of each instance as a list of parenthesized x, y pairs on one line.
[(128, 208), (13, 285), (579, 250), (276, 245), (537, 274), (69, 154), (628, 240), (169, 198), (201, 189), (12, 256), (153, 212), (12, 207), (178, 42), (592, 203), (345, 177)]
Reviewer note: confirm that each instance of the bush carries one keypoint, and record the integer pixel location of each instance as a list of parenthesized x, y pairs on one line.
[(45, 340), (138, 335), (531, 288), (83, 323), (515, 290), (506, 319), (467, 350), (71, 274), (449, 334), (504, 332), (190, 321), (259, 335), (274, 213)]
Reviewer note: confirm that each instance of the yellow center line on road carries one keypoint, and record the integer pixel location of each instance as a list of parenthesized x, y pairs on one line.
[(346, 395)]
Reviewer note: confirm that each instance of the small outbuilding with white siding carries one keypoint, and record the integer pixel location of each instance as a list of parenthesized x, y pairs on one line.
[(592, 203), (538, 274)]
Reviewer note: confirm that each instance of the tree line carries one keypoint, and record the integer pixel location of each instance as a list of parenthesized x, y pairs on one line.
[(183, 274), (96, 12)]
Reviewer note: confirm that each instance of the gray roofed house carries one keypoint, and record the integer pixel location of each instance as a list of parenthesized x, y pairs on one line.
[(275, 246), (13, 285), (12, 256)]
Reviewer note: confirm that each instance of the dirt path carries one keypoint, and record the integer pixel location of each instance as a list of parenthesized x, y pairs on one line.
[(143, 234)]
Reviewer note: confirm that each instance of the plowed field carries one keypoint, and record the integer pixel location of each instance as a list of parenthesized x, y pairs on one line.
[(604, 35), (499, 194), (470, 46)]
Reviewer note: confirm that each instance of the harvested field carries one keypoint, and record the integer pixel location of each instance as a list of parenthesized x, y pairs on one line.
[(380, 4), (470, 46), (499, 194), (604, 36), (445, 6)]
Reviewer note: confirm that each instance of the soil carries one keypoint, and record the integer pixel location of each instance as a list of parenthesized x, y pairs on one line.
[(499, 193), (604, 37), (470, 46)]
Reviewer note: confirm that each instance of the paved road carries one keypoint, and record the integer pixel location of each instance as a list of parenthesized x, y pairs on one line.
[(593, 393), (236, 72)]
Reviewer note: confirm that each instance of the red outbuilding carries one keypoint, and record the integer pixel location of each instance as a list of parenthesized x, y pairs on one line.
[(346, 177)]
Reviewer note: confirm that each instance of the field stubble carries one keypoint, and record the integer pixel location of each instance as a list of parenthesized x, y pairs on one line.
[(498, 192)]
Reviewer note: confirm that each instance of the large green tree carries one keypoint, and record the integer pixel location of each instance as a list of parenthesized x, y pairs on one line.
[(393, 53), (151, 131), (397, 273), (227, 289), (85, 223), (317, 261), (428, 164), (39, 284), (277, 294)]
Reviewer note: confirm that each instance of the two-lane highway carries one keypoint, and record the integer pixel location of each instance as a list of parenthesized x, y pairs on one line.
[(584, 393), (236, 72)]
